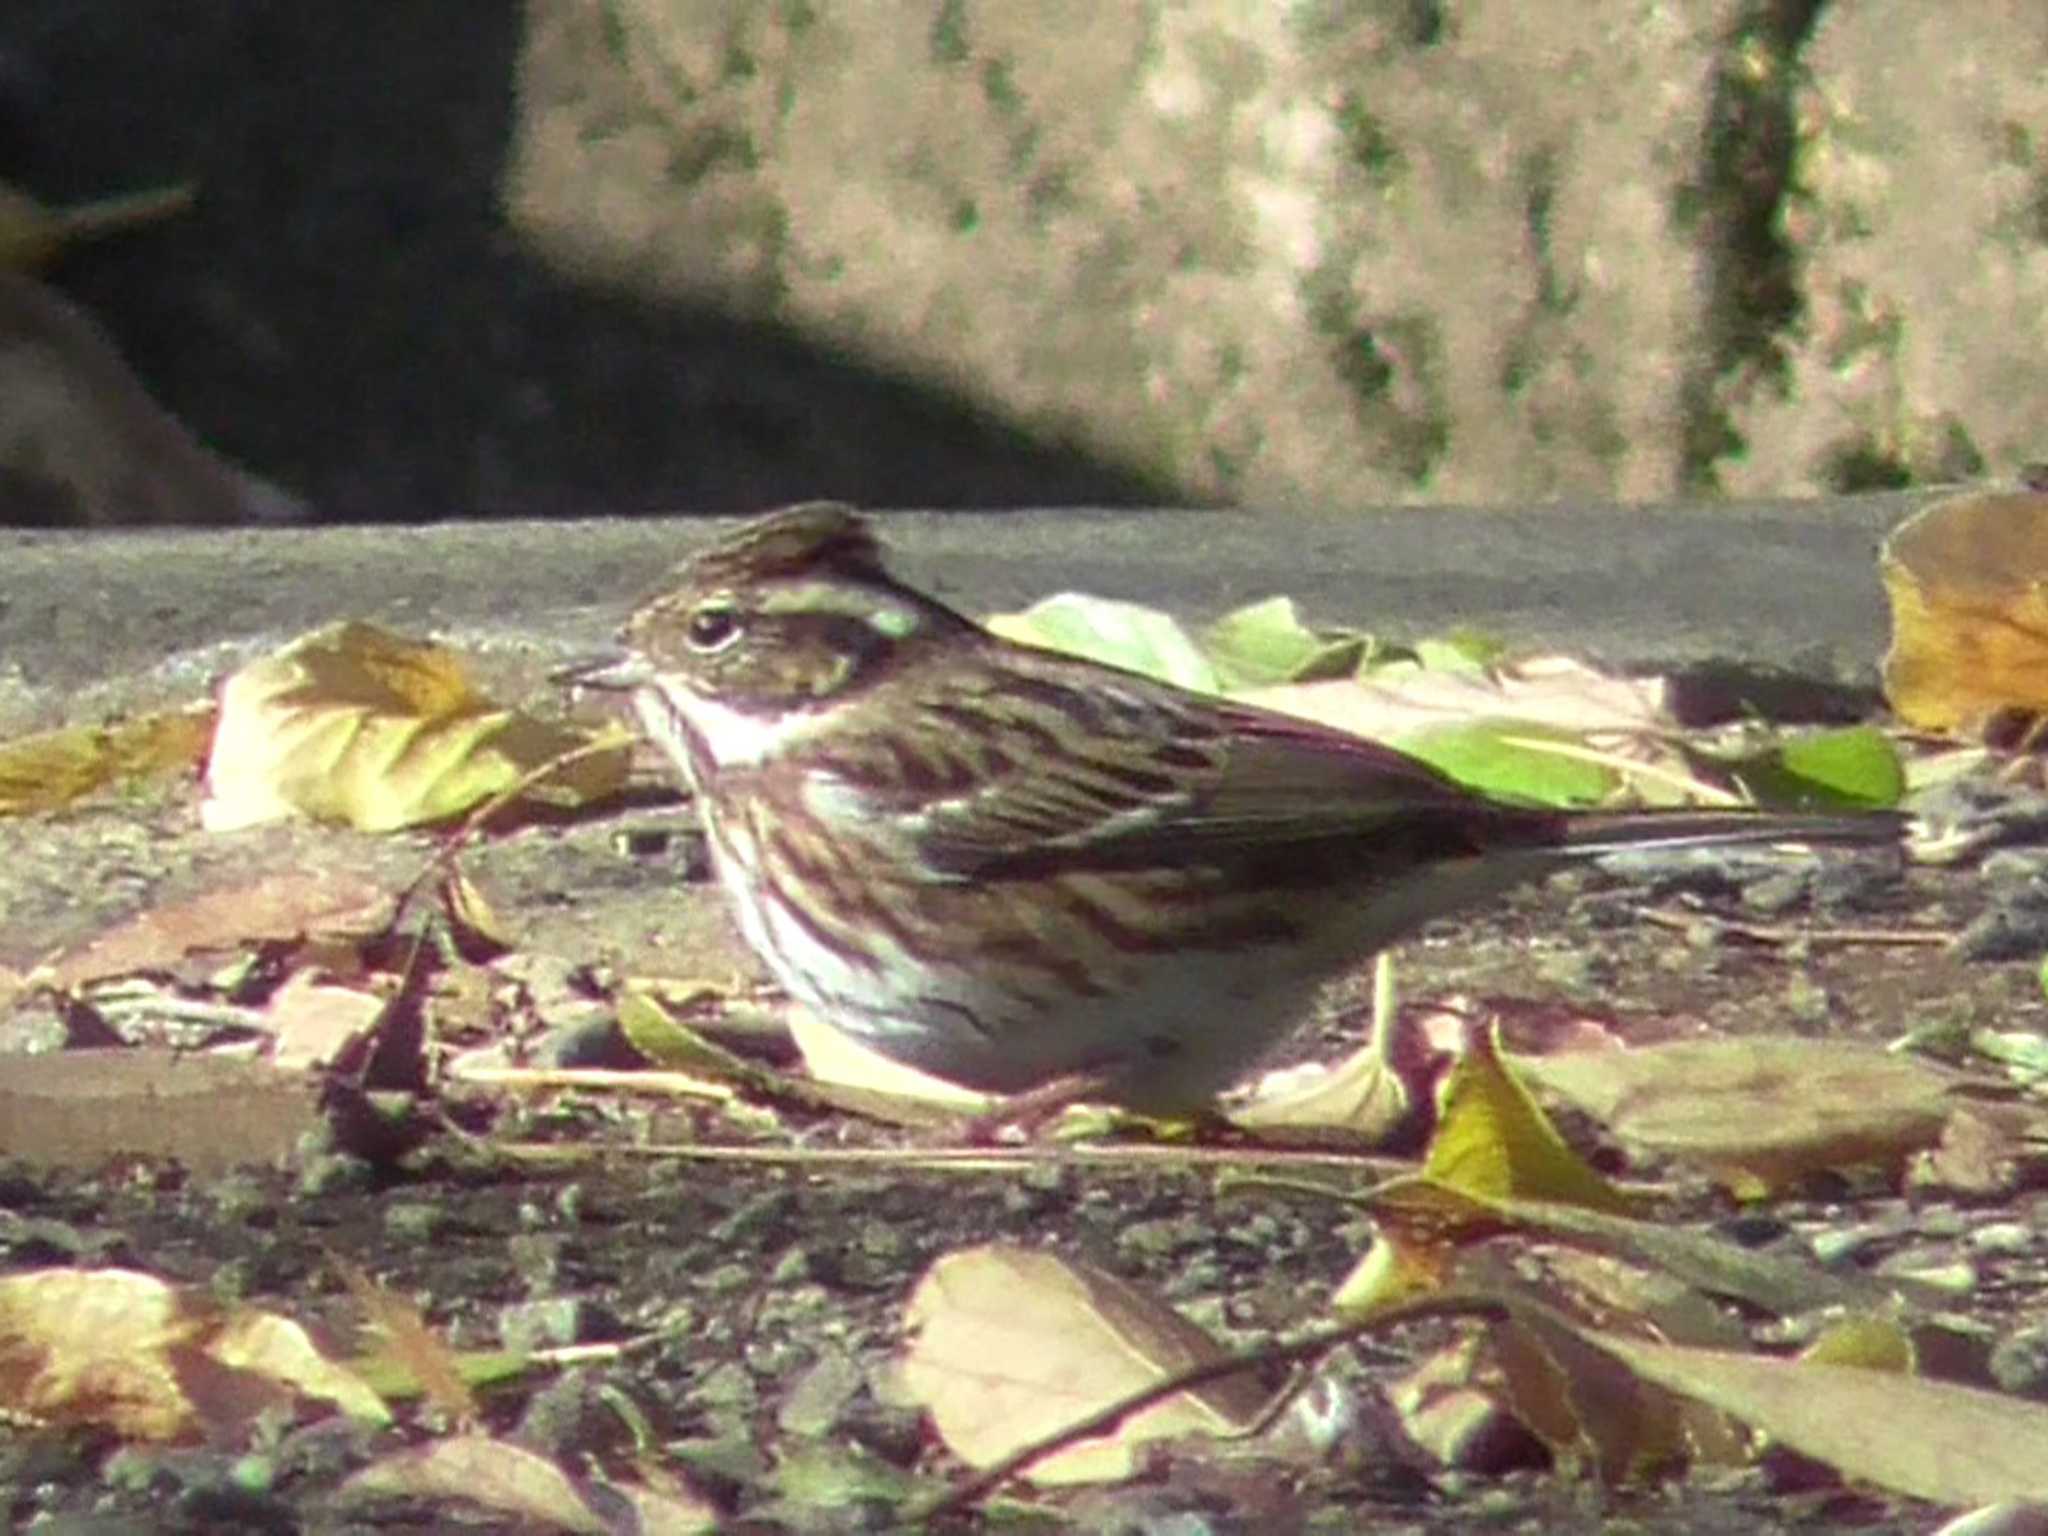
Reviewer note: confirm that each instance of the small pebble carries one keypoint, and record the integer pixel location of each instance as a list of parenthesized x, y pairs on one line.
[(1776, 894), (2003, 932), (2004, 1237), (729, 1385), (2019, 1362), (415, 1221), (818, 1399), (553, 1322), (1940, 1271)]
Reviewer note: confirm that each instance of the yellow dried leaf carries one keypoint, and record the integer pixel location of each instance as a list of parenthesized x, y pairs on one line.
[(1494, 1151), (94, 1347), (352, 723), (1495, 1143), (148, 1361), (53, 769), (1968, 584)]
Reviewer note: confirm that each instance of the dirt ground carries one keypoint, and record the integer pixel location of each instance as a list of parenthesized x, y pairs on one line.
[(772, 1288)]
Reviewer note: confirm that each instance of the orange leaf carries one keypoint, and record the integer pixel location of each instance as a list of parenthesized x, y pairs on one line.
[(1969, 611)]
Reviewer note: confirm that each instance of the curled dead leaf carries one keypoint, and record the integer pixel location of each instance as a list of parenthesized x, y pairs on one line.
[(1968, 583)]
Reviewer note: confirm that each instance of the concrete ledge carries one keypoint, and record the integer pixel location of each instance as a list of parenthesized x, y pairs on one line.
[(96, 621)]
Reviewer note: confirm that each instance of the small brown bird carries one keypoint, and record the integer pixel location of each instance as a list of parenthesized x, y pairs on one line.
[(1007, 866)]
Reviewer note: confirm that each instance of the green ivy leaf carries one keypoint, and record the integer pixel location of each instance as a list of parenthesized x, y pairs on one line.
[(1491, 755), (1265, 643), (1856, 768), (1118, 634)]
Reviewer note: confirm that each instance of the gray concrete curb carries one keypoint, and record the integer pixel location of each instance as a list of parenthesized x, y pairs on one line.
[(100, 620)]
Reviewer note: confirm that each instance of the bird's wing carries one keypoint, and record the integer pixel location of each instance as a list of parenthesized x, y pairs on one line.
[(1095, 770)]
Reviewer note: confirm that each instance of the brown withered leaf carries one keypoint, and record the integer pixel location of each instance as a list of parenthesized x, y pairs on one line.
[(1968, 584), (535, 1493), (1931, 1439), (287, 905), (1759, 1111), (410, 1341), (1589, 1408), (315, 1023)]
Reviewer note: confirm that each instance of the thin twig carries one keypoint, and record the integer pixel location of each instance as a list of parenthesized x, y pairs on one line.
[(965, 1159), (1306, 1351), (1770, 933)]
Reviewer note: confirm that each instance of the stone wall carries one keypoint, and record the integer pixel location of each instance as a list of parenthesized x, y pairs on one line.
[(610, 254)]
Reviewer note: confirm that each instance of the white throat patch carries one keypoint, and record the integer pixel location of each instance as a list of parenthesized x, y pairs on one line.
[(733, 737)]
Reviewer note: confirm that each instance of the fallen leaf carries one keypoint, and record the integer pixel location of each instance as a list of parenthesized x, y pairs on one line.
[(1932, 1440), (125, 1352), (1493, 1141), (1360, 1100), (1116, 633), (498, 1476), (409, 1340), (1450, 1405), (1987, 1151), (1510, 760), (315, 1023), (1266, 642), (1010, 1345), (833, 1056), (351, 723), (1492, 1146), (1968, 583), (1368, 1097), (1855, 768), (1770, 1109), (54, 769), (1555, 692), (288, 905), (1589, 1408)]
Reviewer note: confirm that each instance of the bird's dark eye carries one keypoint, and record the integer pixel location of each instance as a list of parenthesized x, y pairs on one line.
[(712, 627)]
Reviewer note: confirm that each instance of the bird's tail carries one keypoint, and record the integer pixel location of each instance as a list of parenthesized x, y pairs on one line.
[(1598, 832)]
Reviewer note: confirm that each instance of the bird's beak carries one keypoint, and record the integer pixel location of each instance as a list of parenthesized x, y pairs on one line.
[(611, 672)]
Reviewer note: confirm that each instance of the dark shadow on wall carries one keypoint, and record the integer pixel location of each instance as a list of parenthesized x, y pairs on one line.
[(347, 314)]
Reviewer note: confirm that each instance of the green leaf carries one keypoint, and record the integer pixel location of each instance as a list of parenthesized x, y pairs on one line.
[(1857, 767), (1266, 642), (1461, 650), (1127, 635), (1490, 755)]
